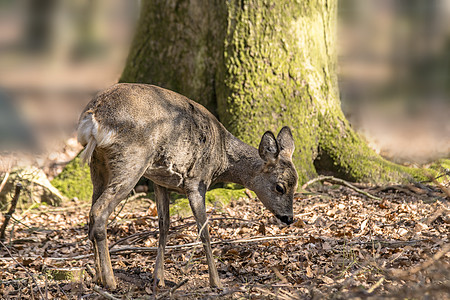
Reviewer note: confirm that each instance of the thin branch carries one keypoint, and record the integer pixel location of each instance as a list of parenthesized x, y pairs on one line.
[(143, 234), (424, 265), (90, 271), (5, 179), (104, 293), (12, 209), (195, 244), (341, 182), (169, 292), (153, 249), (128, 199), (64, 209), (383, 243), (376, 285), (26, 271), (135, 196), (443, 188)]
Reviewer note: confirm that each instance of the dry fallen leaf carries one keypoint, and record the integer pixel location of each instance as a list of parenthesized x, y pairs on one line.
[(309, 272), (363, 224), (299, 223), (320, 252)]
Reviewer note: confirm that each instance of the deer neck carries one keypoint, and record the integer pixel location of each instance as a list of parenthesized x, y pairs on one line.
[(243, 162)]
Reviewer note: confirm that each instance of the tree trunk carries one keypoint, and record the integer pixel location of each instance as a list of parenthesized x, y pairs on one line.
[(260, 65)]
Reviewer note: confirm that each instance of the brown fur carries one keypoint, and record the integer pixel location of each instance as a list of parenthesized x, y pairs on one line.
[(134, 130)]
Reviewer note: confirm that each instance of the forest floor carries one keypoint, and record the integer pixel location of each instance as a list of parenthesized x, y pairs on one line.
[(343, 245)]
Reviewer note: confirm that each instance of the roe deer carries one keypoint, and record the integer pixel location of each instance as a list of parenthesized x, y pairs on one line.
[(134, 130)]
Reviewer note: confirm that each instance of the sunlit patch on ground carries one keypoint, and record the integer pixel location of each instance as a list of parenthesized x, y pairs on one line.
[(342, 245)]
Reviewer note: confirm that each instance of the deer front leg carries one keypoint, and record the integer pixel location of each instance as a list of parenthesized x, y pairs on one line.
[(196, 196), (162, 205)]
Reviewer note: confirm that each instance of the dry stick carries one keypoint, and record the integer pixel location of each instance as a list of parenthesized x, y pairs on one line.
[(32, 292), (376, 285), (26, 271), (389, 243), (142, 234), (195, 244), (135, 196), (12, 209), (426, 264), (64, 209), (342, 182), (189, 245), (46, 282), (442, 187), (128, 199), (5, 179), (169, 292), (90, 271), (104, 293)]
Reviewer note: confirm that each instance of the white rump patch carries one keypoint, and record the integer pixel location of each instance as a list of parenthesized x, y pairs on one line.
[(91, 134)]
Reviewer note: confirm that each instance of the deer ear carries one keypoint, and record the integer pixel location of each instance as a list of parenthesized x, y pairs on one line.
[(268, 148), (286, 142)]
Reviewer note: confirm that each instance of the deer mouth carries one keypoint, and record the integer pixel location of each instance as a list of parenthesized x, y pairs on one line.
[(286, 219)]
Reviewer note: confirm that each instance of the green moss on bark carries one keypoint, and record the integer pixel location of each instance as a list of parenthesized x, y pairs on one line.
[(441, 169), (260, 65), (176, 46), (217, 198), (275, 70), (343, 153), (74, 180)]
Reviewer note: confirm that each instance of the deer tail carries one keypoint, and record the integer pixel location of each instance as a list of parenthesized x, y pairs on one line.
[(92, 135)]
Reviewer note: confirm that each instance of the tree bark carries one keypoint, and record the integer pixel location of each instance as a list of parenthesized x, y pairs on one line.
[(259, 65), (178, 45)]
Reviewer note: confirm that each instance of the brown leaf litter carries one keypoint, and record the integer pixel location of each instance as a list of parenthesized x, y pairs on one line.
[(343, 245)]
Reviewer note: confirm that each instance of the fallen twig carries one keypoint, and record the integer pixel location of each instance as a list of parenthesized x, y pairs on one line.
[(64, 209), (103, 293), (169, 292), (153, 249), (433, 217), (342, 182), (5, 179), (26, 271), (389, 243), (279, 275), (376, 285), (424, 265), (78, 257), (12, 209), (443, 188), (403, 189), (195, 244), (89, 271), (143, 234), (135, 196)]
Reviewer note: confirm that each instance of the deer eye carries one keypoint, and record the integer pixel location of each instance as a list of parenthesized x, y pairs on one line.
[(280, 189)]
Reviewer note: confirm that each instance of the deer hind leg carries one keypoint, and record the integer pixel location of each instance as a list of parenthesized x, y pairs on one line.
[(100, 178), (109, 191), (162, 205)]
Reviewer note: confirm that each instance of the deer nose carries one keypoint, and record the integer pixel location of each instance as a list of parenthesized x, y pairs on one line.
[(286, 219)]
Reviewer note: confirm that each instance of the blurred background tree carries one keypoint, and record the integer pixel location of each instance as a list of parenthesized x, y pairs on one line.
[(260, 65), (393, 68)]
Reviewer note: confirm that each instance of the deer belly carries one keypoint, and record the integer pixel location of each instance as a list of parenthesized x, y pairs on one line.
[(165, 176)]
